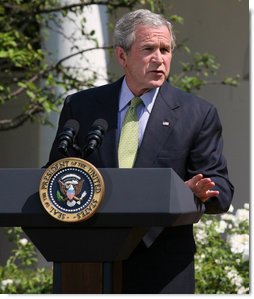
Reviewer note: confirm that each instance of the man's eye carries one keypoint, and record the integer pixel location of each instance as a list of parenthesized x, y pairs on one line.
[(165, 50)]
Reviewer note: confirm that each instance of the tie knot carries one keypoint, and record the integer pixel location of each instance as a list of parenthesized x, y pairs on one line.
[(135, 102)]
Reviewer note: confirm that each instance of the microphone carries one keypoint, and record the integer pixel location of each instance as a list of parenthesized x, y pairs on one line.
[(95, 136), (67, 136)]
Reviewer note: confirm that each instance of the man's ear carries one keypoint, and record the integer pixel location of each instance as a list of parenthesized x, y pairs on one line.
[(121, 56)]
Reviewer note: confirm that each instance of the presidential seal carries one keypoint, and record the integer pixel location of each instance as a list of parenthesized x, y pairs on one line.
[(71, 190)]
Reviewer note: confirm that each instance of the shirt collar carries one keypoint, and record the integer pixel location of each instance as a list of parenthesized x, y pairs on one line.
[(126, 96)]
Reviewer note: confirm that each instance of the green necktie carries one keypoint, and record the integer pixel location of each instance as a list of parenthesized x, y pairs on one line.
[(128, 143)]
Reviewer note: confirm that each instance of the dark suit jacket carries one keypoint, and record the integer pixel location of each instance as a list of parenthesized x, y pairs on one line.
[(191, 144)]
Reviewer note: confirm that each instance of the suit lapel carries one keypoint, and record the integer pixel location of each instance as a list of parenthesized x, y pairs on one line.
[(109, 106), (159, 127)]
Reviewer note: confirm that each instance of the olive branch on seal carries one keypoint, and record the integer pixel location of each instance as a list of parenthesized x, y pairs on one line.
[(59, 196)]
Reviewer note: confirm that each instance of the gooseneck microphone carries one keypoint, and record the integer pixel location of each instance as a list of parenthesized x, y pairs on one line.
[(66, 138), (95, 136)]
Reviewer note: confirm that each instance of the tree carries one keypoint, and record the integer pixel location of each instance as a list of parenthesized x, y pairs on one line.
[(25, 72)]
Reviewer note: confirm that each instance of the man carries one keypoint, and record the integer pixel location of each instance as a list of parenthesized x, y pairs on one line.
[(175, 130)]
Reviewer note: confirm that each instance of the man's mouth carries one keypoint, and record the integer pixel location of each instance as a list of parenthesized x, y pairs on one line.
[(158, 72)]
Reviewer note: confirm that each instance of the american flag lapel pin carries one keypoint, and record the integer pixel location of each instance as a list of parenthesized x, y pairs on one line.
[(165, 123)]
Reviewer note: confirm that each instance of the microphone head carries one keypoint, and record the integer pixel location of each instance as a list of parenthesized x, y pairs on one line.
[(72, 124), (66, 138), (102, 123)]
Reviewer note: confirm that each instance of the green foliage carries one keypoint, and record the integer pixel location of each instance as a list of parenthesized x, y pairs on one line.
[(221, 261), (24, 70), (20, 274), (28, 71), (222, 258), (197, 71)]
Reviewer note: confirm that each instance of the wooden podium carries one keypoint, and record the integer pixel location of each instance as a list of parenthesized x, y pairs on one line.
[(87, 256)]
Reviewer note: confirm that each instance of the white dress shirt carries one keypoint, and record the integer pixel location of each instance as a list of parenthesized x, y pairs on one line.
[(143, 110)]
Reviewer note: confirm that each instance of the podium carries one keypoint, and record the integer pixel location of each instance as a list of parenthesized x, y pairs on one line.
[(90, 252)]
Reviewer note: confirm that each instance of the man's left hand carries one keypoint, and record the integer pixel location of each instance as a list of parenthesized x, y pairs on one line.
[(201, 187)]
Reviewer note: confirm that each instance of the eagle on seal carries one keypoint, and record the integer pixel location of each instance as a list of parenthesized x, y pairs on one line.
[(70, 189)]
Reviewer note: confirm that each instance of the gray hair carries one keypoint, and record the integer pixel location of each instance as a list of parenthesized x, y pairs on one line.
[(124, 33)]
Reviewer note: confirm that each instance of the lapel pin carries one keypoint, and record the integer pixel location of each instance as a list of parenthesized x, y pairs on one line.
[(165, 123)]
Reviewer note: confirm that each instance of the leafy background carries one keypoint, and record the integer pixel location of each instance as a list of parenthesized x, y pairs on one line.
[(221, 261), (27, 73)]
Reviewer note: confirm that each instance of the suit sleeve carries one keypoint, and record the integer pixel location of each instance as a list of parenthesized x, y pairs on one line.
[(206, 157)]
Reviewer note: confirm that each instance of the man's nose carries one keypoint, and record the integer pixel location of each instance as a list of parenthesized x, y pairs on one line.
[(157, 56)]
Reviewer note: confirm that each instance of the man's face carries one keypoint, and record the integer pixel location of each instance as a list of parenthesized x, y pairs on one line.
[(147, 64)]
